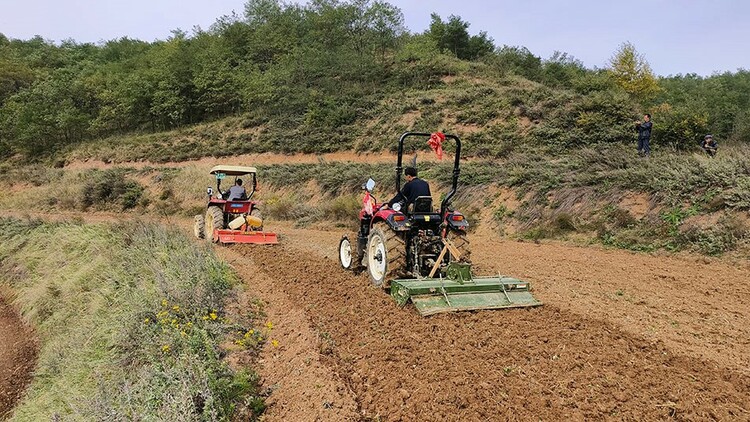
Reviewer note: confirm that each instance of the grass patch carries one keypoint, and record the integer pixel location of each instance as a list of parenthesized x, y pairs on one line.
[(130, 319)]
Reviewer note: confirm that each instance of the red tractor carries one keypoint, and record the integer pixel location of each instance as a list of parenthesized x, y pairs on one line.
[(232, 221), (422, 254), (398, 242)]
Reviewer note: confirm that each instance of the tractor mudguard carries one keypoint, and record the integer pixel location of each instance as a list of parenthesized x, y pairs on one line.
[(396, 220), (457, 221)]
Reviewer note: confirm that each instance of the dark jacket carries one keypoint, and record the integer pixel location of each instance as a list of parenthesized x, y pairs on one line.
[(410, 191), (644, 130), (709, 144)]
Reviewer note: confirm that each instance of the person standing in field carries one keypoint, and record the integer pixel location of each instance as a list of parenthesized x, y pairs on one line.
[(644, 135)]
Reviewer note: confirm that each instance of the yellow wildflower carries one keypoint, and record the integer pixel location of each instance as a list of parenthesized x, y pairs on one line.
[(182, 333), (165, 348), (205, 317), (213, 316), (164, 302), (189, 324), (269, 325), (275, 343), (176, 308), (145, 321)]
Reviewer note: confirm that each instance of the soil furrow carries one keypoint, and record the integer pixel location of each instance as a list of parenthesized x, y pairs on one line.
[(545, 363)]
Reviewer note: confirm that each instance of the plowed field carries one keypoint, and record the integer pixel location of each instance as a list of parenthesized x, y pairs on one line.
[(621, 336), (17, 357)]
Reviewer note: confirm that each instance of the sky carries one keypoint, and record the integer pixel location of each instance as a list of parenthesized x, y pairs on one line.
[(675, 36)]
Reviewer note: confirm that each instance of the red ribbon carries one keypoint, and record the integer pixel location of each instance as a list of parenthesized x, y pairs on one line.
[(368, 204), (436, 143)]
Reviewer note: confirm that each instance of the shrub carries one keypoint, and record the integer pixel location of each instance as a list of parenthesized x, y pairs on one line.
[(108, 189)]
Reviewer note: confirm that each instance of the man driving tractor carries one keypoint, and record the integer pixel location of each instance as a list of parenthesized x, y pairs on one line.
[(237, 191), (413, 188)]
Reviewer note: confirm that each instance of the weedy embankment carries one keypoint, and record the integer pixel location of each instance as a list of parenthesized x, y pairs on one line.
[(130, 319)]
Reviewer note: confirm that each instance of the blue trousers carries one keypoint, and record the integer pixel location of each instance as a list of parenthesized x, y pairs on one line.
[(643, 146)]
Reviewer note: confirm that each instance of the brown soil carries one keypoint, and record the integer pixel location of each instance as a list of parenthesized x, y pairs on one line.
[(638, 204), (621, 336), (303, 387), (17, 357)]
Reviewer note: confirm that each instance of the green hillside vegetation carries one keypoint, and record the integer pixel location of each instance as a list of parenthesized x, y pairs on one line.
[(692, 202), (333, 76), (130, 319)]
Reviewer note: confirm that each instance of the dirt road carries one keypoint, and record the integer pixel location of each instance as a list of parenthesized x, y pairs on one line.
[(621, 335), (18, 352)]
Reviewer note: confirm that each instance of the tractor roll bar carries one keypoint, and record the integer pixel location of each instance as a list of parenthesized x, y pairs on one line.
[(456, 170)]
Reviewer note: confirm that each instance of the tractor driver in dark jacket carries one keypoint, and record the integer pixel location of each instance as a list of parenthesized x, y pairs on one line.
[(412, 189)]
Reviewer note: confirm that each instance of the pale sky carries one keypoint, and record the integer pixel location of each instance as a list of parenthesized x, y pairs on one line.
[(676, 36)]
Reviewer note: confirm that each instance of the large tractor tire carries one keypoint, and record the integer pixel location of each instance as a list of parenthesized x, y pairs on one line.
[(214, 221), (461, 243), (199, 227), (386, 255)]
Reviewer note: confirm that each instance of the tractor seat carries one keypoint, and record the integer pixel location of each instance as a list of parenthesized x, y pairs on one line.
[(421, 210), (422, 205)]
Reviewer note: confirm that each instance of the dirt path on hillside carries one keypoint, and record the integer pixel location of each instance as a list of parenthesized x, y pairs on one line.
[(621, 335), (255, 159), (18, 351)]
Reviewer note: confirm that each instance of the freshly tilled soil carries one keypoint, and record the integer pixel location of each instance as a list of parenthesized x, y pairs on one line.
[(18, 351), (553, 362)]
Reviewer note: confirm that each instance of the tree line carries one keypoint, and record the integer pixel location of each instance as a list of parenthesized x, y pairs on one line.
[(321, 64)]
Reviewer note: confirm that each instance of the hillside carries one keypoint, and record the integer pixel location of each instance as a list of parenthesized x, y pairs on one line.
[(118, 313)]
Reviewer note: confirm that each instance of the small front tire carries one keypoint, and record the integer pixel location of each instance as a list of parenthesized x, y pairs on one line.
[(345, 253), (199, 227)]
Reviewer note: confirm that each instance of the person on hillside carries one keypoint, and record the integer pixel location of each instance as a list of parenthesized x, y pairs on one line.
[(644, 135), (412, 189), (237, 191), (709, 145)]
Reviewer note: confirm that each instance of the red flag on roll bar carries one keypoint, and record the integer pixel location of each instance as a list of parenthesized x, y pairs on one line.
[(436, 143)]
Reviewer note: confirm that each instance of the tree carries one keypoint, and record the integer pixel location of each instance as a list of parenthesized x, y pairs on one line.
[(632, 73), (454, 36)]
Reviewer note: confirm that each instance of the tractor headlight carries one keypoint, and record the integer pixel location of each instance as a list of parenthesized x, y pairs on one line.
[(397, 207)]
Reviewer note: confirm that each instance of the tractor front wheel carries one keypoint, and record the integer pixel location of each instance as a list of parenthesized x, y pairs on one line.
[(386, 255), (214, 221), (199, 227), (345, 253)]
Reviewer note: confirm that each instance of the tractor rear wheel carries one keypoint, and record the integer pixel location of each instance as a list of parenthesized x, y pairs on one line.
[(386, 255), (461, 243), (199, 227), (214, 221)]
